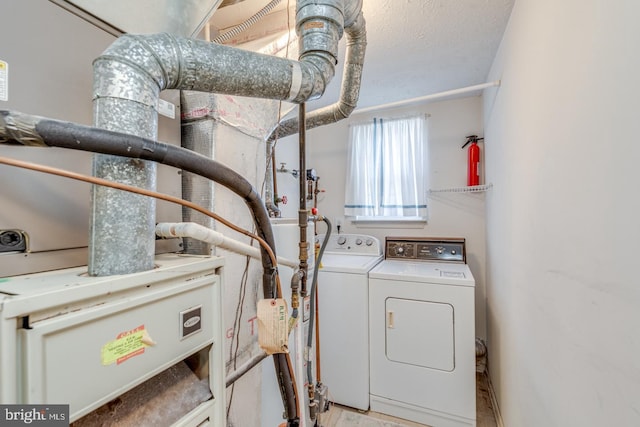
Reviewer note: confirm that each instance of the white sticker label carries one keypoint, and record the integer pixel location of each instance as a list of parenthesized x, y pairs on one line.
[(4, 81), (166, 108)]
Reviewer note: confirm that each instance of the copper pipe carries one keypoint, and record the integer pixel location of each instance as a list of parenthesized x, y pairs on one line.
[(142, 191)]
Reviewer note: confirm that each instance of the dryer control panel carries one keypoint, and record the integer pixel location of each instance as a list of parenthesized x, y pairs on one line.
[(426, 249)]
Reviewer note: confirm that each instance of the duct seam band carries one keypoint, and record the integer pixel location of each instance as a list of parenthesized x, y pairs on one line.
[(144, 87), (296, 81)]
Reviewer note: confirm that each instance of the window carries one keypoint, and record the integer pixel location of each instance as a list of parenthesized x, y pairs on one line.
[(386, 169)]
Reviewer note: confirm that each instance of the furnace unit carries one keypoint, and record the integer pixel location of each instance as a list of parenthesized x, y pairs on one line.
[(140, 349)]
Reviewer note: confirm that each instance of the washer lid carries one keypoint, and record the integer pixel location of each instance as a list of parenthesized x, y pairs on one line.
[(424, 272), (343, 263)]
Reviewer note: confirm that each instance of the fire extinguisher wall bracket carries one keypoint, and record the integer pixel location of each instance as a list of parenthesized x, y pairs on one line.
[(473, 163)]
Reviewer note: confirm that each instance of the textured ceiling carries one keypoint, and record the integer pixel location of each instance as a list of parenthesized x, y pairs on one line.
[(414, 47)]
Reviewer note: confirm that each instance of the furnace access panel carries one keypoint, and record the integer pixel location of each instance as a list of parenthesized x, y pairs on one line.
[(85, 341)]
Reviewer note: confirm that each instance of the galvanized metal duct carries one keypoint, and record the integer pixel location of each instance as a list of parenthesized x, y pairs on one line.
[(350, 89), (128, 78), (349, 94)]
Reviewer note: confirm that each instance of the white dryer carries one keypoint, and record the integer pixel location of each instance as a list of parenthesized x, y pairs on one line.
[(343, 295), (422, 333)]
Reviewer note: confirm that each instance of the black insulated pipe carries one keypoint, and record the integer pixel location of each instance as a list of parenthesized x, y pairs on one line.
[(24, 129), (36, 131)]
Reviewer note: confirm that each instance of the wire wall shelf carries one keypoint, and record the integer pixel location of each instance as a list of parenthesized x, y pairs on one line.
[(471, 189)]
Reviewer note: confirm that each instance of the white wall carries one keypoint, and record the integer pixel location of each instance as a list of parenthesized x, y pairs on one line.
[(450, 214), (562, 217)]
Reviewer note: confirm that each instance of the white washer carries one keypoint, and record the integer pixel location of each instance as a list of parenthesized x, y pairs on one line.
[(343, 288), (422, 333)]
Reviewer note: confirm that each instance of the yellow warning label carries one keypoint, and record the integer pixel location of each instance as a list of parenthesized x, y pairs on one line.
[(126, 345), (3, 65)]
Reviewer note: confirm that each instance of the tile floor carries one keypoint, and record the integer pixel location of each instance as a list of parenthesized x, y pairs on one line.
[(341, 416)]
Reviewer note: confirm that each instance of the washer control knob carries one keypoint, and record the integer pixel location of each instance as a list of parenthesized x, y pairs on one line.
[(369, 242), (358, 241), (342, 240), (453, 252), (400, 250)]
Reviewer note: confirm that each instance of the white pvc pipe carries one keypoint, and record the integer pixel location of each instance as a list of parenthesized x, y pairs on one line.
[(431, 97), (204, 234)]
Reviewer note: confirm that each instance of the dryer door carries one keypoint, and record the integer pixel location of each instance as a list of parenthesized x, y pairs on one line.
[(422, 351), (420, 333)]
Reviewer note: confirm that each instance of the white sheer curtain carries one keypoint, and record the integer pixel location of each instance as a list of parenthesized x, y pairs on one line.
[(386, 168)]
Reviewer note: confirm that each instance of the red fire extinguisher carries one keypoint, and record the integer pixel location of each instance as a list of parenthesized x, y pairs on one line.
[(473, 166)]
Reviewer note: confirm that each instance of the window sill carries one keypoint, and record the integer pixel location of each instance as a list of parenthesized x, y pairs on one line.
[(389, 222)]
